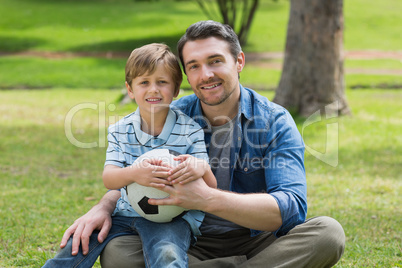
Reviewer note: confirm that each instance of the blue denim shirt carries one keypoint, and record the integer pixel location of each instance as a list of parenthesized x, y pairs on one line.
[(267, 154)]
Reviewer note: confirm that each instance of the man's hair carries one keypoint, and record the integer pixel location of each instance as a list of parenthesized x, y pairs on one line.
[(206, 29), (145, 59)]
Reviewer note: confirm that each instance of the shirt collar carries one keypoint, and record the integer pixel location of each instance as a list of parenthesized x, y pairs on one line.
[(245, 104), (143, 137)]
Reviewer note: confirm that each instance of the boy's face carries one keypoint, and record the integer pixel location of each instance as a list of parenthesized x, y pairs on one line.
[(211, 70), (153, 92)]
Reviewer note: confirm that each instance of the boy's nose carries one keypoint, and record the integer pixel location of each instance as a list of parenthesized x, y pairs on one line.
[(153, 88)]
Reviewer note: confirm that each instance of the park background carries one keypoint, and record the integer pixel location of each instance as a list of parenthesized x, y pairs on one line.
[(56, 56)]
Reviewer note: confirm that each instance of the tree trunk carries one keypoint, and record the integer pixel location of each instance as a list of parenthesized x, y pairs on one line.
[(312, 78)]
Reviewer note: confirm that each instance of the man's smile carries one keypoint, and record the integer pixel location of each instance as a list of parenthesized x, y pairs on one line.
[(211, 86)]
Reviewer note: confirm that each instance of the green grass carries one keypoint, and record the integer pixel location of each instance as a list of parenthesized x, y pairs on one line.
[(121, 25), (48, 182), (34, 72), (372, 25), (91, 25), (379, 64)]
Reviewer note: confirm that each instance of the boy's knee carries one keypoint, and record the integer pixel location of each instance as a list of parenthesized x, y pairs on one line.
[(169, 253)]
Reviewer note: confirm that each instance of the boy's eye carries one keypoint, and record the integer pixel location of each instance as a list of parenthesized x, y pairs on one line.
[(144, 82)]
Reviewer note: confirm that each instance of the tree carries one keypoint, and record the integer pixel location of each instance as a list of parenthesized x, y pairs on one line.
[(238, 14), (312, 77)]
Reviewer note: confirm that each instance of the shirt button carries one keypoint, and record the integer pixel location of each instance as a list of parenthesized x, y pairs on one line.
[(245, 169), (239, 138)]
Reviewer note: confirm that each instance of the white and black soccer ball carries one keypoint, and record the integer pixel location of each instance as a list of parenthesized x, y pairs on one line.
[(139, 195)]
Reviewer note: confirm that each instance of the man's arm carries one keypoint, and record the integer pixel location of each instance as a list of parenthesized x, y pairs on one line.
[(257, 211), (97, 218)]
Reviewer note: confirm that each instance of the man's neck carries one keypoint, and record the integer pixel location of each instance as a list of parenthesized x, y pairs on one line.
[(220, 114)]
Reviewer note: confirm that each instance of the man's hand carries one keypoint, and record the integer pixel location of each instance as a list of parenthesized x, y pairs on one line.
[(97, 218), (190, 195)]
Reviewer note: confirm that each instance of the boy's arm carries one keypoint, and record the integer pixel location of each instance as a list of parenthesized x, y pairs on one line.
[(115, 177), (210, 179), (149, 172)]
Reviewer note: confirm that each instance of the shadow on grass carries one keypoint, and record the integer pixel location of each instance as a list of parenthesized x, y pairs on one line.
[(15, 44), (129, 45)]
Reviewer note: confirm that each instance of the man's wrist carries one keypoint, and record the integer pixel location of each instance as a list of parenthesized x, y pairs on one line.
[(108, 202), (211, 201)]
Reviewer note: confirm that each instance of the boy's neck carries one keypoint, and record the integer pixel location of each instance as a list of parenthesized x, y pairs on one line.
[(153, 125)]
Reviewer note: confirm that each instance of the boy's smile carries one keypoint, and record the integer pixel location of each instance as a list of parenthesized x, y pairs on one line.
[(153, 93), (154, 100)]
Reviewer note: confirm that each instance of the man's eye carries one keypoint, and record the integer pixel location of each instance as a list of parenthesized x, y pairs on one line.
[(192, 67), (216, 61)]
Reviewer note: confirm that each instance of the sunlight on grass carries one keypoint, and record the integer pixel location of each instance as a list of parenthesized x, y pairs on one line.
[(50, 182)]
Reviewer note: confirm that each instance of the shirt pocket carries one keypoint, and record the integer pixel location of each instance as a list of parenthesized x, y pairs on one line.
[(249, 179)]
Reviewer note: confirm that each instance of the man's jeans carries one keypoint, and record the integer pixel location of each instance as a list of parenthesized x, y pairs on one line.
[(164, 244)]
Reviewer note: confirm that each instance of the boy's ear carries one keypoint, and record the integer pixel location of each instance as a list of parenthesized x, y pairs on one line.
[(129, 91), (176, 93)]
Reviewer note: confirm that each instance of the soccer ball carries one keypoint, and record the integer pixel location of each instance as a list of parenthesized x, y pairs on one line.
[(138, 195)]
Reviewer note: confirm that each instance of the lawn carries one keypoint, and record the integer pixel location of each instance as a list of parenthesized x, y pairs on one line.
[(121, 25), (48, 182)]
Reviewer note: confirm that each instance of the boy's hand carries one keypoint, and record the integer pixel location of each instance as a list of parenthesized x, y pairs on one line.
[(152, 173), (190, 168)]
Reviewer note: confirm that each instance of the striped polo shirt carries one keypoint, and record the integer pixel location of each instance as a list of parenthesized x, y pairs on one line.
[(127, 142)]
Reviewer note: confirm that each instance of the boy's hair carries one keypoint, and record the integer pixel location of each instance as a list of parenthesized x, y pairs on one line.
[(145, 59), (206, 29)]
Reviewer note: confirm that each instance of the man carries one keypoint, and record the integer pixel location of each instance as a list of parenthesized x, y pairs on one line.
[(257, 216)]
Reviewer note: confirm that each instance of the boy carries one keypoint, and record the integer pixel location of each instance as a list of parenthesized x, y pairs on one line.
[(153, 78)]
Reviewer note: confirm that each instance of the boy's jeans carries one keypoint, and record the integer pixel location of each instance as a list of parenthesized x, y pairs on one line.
[(164, 244)]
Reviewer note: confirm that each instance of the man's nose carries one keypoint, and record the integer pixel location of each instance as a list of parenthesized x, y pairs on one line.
[(206, 73)]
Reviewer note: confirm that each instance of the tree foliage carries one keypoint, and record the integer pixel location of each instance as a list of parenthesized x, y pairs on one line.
[(238, 14)]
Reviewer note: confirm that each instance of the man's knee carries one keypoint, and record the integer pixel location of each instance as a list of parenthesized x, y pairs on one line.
[(331, 238), (123, 251)]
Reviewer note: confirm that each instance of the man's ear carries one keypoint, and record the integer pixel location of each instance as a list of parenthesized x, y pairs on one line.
[(130, 91), (241, 61)]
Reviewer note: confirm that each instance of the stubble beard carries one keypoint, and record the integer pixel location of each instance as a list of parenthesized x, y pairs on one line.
[(221, 99)]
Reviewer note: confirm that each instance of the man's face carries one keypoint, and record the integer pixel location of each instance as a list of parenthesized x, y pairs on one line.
[(211, 70)]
